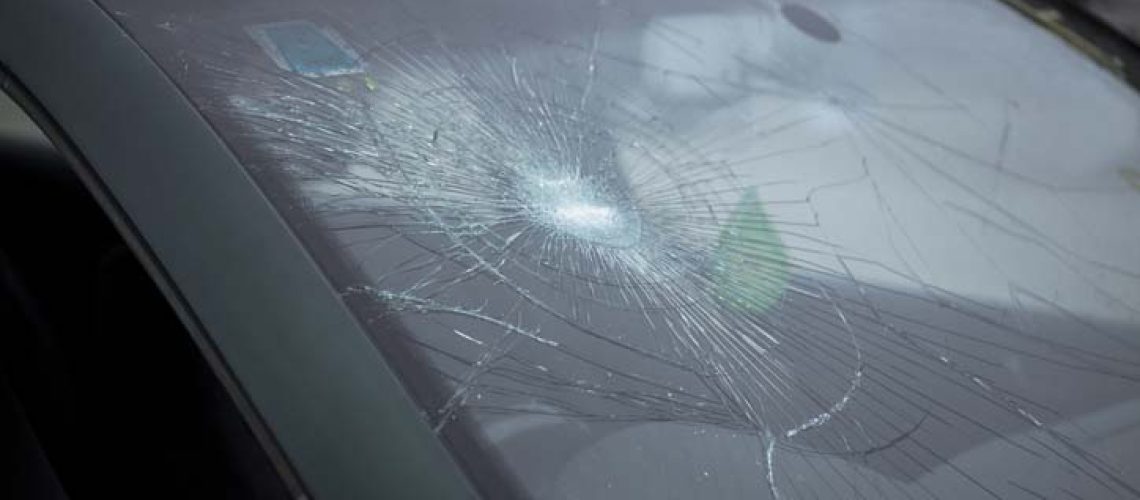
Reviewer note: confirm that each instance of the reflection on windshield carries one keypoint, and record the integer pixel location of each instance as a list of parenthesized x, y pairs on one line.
[(817, 249)]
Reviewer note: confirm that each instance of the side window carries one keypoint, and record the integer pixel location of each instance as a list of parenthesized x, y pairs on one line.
[(102, 390)]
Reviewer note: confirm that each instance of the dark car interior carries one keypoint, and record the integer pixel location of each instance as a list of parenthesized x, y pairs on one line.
[(103, 394)]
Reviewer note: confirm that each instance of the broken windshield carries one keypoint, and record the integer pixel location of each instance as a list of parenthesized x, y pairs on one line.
[(681, 249)]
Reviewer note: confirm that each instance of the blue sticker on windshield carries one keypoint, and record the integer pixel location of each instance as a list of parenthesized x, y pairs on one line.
[(305, 48)]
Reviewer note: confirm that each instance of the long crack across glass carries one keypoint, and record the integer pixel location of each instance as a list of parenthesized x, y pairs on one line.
[(814, 249)]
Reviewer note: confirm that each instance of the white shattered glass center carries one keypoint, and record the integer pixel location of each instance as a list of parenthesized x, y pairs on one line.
[(579, 207)]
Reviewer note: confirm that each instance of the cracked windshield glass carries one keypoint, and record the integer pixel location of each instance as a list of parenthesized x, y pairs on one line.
[(682, 249)]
